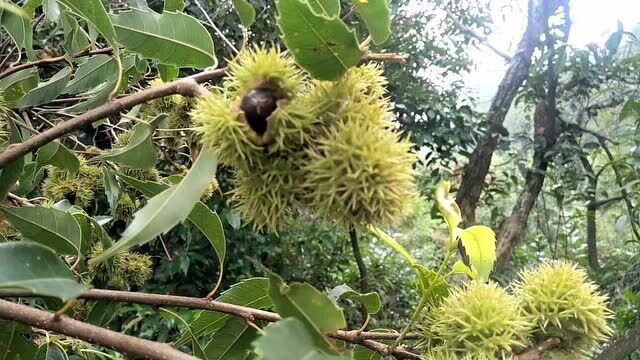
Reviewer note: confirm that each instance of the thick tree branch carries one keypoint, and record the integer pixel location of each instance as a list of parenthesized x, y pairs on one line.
[(188, 86), (130, 346), (157, 300)]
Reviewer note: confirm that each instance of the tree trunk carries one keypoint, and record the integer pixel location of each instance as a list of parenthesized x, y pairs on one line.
[(518, 71), (623, 346), (592, 247), (362, 268)]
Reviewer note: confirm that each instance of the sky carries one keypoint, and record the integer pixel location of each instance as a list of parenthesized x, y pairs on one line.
[(593, 21)]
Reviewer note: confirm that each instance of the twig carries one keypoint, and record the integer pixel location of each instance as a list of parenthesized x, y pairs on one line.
[(215, 28), (537, 352), (131, 347)]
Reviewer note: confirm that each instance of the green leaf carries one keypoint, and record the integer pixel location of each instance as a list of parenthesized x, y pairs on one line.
[(29, 179), (173, 5), (45, 91), (447, 205), (322, 45), (364, 353), (205, 219), (328, 8), (51, 227), (139, 153), (251, 293), (97, 96), (370, 300), (56, 154), (111, 188), (75, 39), (436, 284), (14, 9), (246, 12), (51, 10), (391, 243), (50, 351), (16, 85), (37, 268), (377, 17), (20, 30), (171, 38), (317, 312), (167, 209), (12, 171), (92, 73), (480, 245), (195, 345), (461, 268), (290, 339), (103, 312), (13, 341), (168, 72), (231, 342), (94, 13)]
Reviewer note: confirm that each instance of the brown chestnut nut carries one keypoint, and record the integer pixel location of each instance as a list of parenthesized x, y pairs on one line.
[(257, 105)]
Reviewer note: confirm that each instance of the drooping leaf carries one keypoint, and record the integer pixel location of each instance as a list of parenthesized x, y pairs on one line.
[(195, 345), (45, 91), (246, 12), (391, 243), (448, 206), (36, 268), (111, 188), (20, 30), (173, 5), (10, 173), (231, 342), (318, 313), (167, 209), (92, 73), (56, 154), (251, 293), (370, 300), (75, 39), (13, 341), (377, 17), (50, 351), (97, 96), (139, 153), (93, 11), (29, 179), (290, 339), (480, 245), (171, 38), (51, 10), (205, 219), (322, 45), (51, 227), (14, 9), (16, 85)]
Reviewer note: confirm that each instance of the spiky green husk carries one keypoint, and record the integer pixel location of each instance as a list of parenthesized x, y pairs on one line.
[(125, 207), (264, 68), (560, 300), (123, 139), (7, 231), (83, 185), (360, 174), (480, 321), (208, 192), (128, 268), (151, 174), (267, 196)]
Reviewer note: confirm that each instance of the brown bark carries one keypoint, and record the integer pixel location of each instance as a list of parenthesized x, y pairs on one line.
[(623, 346), (592, 247), (517, 72), (362, 267)]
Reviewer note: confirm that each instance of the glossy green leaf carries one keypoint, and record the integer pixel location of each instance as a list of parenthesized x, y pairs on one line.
[(328, 8), (377, 17), (251, 293), (111, 188), (48, 226), (167, 209), (317, 312), (461, 268), (171, 38), (50, 351), (56, 154), (322, 45), (246, 12), (36, 268), (16, 85), (205, 219), (290, 339), (13, 341), (173, 5), (97, 96), (11, 172), (370, 300), (20, 30), (14, 9), (391, 243), (168, 72), (364, 353), (45, 91), (92, 73), (139, 153), (231, 342), (93, 11), (480, 245)]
